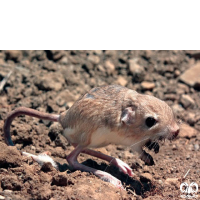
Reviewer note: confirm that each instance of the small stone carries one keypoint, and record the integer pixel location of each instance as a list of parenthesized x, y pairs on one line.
[(148, 54), (170, 97), (146, 168), (50, 82), (174, 147), (187, 131), (65, 95), (8, 191), (33, 148), (64, 60), (136, 70), (98, 52), (192, 75), (110, 67), (14, 55), (146, 177), (187, 157), (196, 147), (47, 167), (101, 68), (187, 101), (111, 52), (172, 181), (190, 147), (122, 81), (9, 156), (94, 59), (127, 155), (191, 118), (61, 179), (147, 85), (177, 73)]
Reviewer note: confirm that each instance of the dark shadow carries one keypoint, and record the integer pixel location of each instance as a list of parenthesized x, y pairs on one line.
[(130, 184)]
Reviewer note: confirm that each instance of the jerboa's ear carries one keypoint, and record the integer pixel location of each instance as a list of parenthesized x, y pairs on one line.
[(128, 115)]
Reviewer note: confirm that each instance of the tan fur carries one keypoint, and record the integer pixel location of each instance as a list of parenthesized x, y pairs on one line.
[(97, 114)]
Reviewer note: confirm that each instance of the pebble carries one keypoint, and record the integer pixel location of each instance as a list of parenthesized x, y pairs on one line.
[(136, 70), (14, 55), (187, 157), (196, 147), (147, 85), (187, 101), (191, 76), (177, 73), (145, 177), (174, 147), (191, 118), (94, 59), (50, 82), (171, 97), (122, 81), (111, 52), (172, 181), (8, 191), (187, 131), (98, 52), (64, 60), (110, 67)]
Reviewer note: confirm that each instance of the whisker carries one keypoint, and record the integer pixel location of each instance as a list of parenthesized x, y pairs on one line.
[(139, 142)]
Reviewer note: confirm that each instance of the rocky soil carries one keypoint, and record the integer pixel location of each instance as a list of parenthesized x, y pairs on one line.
[(51, 81)]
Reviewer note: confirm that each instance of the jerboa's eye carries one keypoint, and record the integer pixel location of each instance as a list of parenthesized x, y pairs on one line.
[(150, 121)]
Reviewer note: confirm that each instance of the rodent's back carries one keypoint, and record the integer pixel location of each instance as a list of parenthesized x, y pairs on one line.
[(101, 106)]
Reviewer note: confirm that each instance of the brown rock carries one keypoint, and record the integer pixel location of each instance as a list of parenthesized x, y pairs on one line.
[(50, 82), (94, 59), (14, 55), (187, 131), (98, 52), (11, 183), (111, 52), (61, 179), (147, 85), (65, 96), (192, 75), (47, 167), (110, 67), (172, 181), (9, 156), (145, 177), (136, 70), (187, 101), (191, 118), (122, 81)]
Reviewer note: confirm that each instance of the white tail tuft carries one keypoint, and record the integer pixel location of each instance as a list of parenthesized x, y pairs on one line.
[(41, 159)]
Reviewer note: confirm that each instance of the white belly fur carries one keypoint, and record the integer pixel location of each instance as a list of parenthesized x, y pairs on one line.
[(101, 137)]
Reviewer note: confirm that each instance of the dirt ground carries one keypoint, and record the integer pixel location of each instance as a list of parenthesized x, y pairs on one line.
[(51, 81)]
